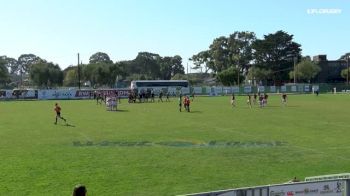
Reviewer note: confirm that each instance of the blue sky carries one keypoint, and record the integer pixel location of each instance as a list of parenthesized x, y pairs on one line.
[(57, 30)]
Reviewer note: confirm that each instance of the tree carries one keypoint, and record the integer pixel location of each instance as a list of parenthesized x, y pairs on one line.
[(240, 49), (203, 58), (305, 70), (100, 74), (4, 74), (10, 63), (100, 57), (228, 77), (45, 74), (224, 52), (259, 74), (25, 61), (169, 66), (70, 76), (344, 73), (179, 76), (219, 53), (146, 64), (275, 52)]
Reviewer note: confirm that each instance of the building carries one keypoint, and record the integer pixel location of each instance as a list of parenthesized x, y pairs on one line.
[(330, 69)]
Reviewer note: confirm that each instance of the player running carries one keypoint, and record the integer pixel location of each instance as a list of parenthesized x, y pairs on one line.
[(233, 100), (284, 99), (167, 96), (249, 101), (255, 98), (58, 113), (265, 99)]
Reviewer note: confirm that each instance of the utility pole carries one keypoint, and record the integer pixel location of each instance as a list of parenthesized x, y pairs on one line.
[(78, 72), (347, 65), (295, 59), (238, 74), (187, 72)]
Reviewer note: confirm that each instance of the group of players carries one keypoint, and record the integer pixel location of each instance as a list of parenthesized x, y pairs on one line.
[(148, 96), (184, 101), (258, 98)]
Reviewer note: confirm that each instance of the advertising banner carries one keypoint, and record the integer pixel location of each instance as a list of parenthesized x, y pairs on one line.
[(261, 89), (218, 90), (293, 88), (235, 89), (247, 89), (56, 94), (327, 188), (283, 88), (307, 88), (2, 94), (227, 90), (197, 90), (300, 88), (272, 89)]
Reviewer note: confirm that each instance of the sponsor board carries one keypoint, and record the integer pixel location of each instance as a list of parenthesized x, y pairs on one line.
[(307, 88), (300, 88), (328, 188), (272, 89), (235, 89), (283, 88), (315, 87), (56, 94), (293, 88), (19, 94), (261, 89), (226, 90), (247, 89), (197, 90)]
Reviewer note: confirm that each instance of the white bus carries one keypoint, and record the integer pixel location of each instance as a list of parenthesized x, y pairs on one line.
[(171, 86)]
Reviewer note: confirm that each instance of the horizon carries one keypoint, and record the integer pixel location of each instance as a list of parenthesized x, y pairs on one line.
[(58, 30)]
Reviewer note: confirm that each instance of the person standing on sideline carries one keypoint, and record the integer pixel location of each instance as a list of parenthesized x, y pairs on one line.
[(180, 102), (58, 113), (167, 96)]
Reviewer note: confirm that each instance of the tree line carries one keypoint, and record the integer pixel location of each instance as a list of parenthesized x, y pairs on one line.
[(240, 57), (273, 60), (31, 70)]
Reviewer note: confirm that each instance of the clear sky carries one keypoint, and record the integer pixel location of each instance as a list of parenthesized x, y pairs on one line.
[(57, 30)]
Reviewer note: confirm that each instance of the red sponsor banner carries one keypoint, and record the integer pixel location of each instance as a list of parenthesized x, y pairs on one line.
[(84, 93)]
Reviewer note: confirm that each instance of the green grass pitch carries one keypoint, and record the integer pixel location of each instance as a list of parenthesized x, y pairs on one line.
[(153, 149)]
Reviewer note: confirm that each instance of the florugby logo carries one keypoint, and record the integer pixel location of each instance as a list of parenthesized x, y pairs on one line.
[(323, 11)]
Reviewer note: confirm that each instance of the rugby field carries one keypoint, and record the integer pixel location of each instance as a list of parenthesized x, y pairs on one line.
[(153, 149)]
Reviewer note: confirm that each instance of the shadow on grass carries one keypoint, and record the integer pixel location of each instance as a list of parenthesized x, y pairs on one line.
[(67, 125), (195, 112), (119, 110)]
